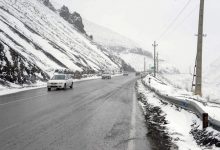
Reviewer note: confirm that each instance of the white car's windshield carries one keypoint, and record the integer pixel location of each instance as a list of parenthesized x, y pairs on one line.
[(58, 77)]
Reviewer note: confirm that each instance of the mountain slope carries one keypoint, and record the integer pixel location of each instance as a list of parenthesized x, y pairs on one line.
[(129, 51), (118, 45), (107, 37), (35, 36)]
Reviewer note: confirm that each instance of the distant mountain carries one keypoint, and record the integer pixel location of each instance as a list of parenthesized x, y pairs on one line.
[(119, 45), (107, 37), (113, 41)]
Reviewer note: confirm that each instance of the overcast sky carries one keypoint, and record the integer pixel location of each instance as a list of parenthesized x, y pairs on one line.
[(146, 20)]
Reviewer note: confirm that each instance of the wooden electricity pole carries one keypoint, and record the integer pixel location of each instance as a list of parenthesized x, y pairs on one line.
[(144, 65), (157, 62), (154, 45), (198, 85)]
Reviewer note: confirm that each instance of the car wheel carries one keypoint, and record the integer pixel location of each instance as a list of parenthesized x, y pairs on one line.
[(49, 89), (71, 85), (64, 86)]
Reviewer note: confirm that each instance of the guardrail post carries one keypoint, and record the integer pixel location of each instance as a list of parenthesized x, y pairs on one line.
[(205, 120)]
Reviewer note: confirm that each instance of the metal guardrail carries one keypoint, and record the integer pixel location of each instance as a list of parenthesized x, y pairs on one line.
[(189, 105)]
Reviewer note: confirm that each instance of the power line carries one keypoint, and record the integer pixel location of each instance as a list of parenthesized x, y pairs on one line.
[(175, 19), (187, 16)]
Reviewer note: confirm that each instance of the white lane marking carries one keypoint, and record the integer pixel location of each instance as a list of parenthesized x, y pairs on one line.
[(25, 99), (131, 142)]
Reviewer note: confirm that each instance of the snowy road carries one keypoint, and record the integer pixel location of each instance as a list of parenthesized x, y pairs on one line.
[(95, 115)]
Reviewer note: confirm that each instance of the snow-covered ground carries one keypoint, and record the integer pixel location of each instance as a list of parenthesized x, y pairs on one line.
[(14, 88), (178, 80), (211, 84), (19, 88), (180, 121), (167, 89)]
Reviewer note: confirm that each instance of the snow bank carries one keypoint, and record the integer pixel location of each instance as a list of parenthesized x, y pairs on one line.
[(166, 89), (210, 88), (179, 121)]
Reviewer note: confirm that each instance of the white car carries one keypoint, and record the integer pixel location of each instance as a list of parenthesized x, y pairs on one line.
[(60, 81)]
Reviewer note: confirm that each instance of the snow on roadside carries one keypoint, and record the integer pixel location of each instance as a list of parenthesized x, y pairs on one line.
[(167, 89), (179, 121), (210, 84), (19, 88)]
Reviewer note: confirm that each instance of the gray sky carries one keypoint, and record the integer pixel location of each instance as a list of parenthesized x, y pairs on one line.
[(145, 20)]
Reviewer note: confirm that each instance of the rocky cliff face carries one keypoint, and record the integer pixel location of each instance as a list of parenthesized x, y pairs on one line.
[(15, 68), (49, 5), (73, 18)]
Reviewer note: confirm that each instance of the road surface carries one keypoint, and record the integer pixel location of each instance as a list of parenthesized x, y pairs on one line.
[(94, 115)]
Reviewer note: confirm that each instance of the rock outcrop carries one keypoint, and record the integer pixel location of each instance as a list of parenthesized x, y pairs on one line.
[(73, 18)]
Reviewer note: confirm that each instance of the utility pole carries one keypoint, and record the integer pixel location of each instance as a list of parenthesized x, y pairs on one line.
[(198, 86), (157, 62), (154, 45), (144, 65)]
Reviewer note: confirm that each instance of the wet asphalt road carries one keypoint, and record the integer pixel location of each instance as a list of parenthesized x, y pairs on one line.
[(94, 115)]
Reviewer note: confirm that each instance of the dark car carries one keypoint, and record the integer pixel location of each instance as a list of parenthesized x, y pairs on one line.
[(125, 73), (106, 75), (137, 73)]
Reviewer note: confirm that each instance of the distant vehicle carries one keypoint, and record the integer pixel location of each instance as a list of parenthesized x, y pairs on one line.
[(143, 74), (60, 81), (125, 73), (84, 76), (137, 73), (77, 75), (106, 75), (99, 74)]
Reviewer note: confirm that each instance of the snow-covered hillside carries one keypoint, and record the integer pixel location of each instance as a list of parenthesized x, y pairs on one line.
[(119, 45), (107, 37), (132, 53), (35, 40), (137, 60)]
